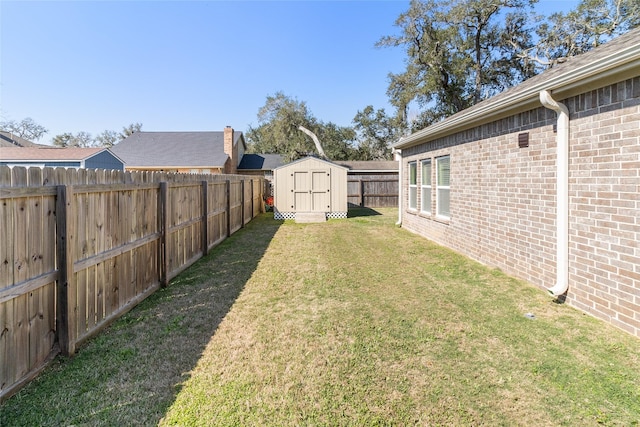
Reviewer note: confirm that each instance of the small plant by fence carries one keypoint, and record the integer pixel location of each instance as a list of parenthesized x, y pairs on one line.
[(79, 248)]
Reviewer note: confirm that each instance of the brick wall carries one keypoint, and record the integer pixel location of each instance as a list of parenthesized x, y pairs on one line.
[(231, 166), (503, 203)]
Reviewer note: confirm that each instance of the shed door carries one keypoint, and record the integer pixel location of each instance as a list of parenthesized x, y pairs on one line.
[(311, 191)]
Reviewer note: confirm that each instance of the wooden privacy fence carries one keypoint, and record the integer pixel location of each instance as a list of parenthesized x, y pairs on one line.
[(79, 248), (372, 192)]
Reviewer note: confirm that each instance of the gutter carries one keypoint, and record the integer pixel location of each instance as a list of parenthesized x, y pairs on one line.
[(562, 193), (398, 156)]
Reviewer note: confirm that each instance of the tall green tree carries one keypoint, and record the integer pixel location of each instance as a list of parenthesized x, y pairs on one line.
[(26, 128), (376, 133), (457, 54), (590, 24), (63, 140), (277, 131), (81, 139), (107, 138)]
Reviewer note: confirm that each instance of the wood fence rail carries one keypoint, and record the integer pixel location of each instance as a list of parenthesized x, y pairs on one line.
[(79, 248)]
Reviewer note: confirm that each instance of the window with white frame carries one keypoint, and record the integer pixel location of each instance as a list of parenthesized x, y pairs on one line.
[(425, 189), (413, 185), (443, 174)]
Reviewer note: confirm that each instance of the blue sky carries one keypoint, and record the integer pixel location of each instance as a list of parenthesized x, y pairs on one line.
[(193, 65)]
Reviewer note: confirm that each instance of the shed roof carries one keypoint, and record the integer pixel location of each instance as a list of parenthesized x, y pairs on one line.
[(174, 149), (48, 153), (264, 162), (615, 61)]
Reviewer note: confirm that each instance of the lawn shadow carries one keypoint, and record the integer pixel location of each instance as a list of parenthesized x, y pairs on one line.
[(357, 212), (132, 372), (201, 297)]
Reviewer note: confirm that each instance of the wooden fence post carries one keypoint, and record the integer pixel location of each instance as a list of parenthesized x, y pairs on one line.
[(228, 192), (163, 207), (242, 202), (205, 218), (361, 193), (252, 201), (66, 319)]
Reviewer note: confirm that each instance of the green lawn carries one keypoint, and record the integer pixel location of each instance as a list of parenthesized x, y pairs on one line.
[(351, 322)]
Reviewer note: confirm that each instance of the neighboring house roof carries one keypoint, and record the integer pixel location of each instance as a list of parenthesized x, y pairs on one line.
[(48, 153), (265, 162), (175, 149), (612, 62), (370, 166), (7, 139)]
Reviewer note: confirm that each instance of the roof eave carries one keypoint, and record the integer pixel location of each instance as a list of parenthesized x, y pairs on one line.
[(607, 70)]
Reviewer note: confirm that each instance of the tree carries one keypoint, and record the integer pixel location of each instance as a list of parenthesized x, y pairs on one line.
[(376, 132), (26, 128), (81, 139), (107, 138), (63, 140), (457, 54), (592, 23), (129, 130), (277, 131), (337, 141)]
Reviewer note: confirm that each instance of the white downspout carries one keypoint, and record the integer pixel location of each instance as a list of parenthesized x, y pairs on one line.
[(562, 193), (398, 156)]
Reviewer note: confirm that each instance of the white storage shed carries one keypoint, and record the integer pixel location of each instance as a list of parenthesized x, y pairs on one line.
[(310, 186)]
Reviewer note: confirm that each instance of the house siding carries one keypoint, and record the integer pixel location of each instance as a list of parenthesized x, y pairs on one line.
[(503, 199), (104, 160)]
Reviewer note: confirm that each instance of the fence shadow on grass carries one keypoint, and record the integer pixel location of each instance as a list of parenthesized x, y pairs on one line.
[(132, 372), (356, 212)]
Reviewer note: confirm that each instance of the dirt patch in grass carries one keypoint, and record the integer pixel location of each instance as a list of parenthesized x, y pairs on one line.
[(349, 322)]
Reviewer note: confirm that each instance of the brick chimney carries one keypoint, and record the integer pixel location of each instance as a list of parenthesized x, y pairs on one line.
[(230, 150)]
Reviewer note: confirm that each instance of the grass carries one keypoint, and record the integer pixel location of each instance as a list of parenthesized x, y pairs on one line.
[(350, 322)]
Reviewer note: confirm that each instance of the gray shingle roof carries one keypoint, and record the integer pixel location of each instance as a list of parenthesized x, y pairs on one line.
[(174, 149), (7, 139), (260, 162), (372, 165)]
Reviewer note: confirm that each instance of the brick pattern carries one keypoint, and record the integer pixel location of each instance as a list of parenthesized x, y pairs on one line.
[(503, 202)]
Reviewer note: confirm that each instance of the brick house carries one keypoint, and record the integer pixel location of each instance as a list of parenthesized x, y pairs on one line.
[(542, 181), (183, 152)]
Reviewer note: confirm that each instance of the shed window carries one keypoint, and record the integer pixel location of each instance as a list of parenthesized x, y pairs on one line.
[(426, 187), (443, 173), (413, 185)]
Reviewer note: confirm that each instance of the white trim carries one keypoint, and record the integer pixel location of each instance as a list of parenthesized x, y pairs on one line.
[(424, 197), (413, 207), (443, 187)]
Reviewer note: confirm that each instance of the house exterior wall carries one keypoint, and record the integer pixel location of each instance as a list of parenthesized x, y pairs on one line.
[(104, 160), (186, 169), (503, 202), (42, 164)]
